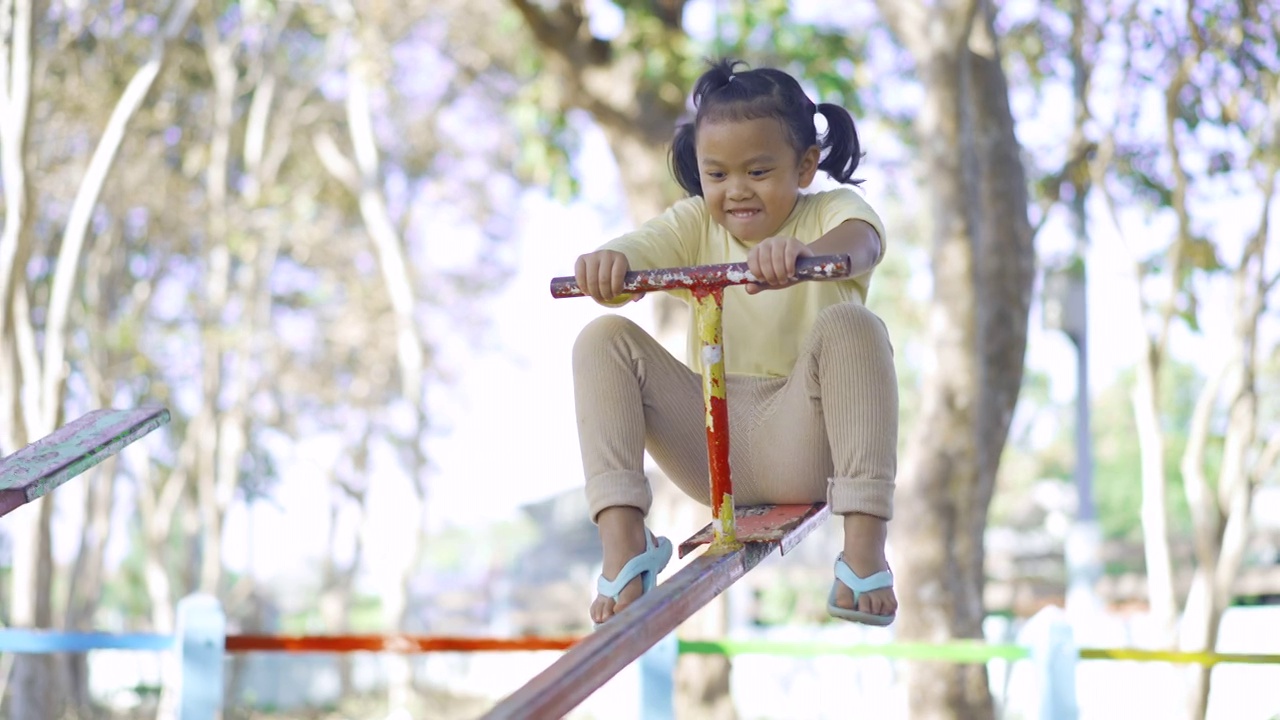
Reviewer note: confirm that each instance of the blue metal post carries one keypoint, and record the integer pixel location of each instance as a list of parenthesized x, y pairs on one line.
[(202, 638), (658, 678), (1054, 655)]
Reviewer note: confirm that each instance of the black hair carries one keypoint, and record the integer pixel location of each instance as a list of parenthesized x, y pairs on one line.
[(723, 93)]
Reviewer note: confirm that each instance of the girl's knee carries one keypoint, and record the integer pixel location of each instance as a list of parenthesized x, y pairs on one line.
[(850, 320), (603, 332)]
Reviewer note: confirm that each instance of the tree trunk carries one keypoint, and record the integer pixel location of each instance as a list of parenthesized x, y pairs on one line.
[(982, 239), (17, 57), (158, 504), (32, 687), (35, 687), (336, 592), (363, 178), (36, 684), (1155, 522), (1221, 519), (86, 578), (87, 575)]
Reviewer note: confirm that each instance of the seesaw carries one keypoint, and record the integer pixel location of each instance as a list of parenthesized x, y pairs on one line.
[(70, 450), (738, 538)]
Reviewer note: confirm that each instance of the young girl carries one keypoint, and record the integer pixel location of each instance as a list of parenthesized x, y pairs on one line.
[(810, 381)]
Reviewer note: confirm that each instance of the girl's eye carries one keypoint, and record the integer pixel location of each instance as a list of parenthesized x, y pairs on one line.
[(759, 173), (714, 175)]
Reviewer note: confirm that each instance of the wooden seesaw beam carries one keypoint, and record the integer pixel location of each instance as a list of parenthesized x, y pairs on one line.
[(70, 450)]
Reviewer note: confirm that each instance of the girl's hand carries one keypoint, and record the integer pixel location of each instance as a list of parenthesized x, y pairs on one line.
[(601, 275), (773, 261)]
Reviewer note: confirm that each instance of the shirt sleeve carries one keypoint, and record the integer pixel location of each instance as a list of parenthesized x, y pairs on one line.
[(669, 240), (843, 204)]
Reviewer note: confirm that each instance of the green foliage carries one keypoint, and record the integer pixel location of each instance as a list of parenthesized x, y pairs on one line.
[(1117, 472), (776, 604), (364, 616), (1118, 466), (764, 33), (827, 58), (547, 142)]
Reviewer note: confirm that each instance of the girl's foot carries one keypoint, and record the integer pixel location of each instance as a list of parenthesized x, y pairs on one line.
[(864, 539), (623, 537)]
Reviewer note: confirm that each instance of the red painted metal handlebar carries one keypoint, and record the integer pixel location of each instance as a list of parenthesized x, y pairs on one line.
[(821, 267)]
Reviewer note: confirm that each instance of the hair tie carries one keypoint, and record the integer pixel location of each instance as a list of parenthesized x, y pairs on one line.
[(732, 77)]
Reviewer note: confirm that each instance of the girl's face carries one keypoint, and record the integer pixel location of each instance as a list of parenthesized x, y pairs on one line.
[(751, 176)]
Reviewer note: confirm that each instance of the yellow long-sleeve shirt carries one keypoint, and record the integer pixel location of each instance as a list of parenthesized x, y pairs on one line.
[(763, 333)]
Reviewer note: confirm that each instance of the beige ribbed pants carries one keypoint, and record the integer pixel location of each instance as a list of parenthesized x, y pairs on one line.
[(829, 431)]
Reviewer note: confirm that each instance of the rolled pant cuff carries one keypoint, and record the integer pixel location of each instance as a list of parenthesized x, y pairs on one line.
[(866, 496), (616, 488)]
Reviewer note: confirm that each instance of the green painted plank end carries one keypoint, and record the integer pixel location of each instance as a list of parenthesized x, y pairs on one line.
[(70, 450)]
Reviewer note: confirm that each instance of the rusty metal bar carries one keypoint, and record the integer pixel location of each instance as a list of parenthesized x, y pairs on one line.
[(627, 635), (821, 267)]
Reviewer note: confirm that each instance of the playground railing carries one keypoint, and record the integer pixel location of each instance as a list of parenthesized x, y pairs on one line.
[(201, 646)]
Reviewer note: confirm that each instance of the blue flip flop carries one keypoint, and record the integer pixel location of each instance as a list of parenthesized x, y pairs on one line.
[(646, 565), (877, 581)]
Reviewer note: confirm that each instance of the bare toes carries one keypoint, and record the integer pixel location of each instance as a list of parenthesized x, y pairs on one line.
[(601, 610)]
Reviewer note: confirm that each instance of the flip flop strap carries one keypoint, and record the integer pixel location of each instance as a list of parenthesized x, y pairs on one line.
[(860, 585), (635, 567)]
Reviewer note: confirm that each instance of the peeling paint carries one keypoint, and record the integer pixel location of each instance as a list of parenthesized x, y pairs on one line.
[(70, 450), (707, 277), (712, 354), (708, 317)]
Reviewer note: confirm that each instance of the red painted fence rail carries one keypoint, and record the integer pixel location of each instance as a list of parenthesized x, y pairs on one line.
[(390, 643)]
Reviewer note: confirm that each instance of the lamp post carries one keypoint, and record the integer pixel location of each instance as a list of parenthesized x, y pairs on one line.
[(1066, 310)]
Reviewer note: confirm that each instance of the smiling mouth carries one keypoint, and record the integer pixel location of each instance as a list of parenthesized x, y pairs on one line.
[(743, 214)]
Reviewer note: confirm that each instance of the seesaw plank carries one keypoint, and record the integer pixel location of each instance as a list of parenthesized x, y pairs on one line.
[(602, 654), (785, 525), (616, 644), (70, 450)]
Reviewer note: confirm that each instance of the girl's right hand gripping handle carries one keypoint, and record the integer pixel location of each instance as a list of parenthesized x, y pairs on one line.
[(821, 267)]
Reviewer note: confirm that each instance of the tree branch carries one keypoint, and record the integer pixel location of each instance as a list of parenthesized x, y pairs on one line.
[(926, 30), (333, 160), (548, 34), (53, 378), (1268, 459), (1205, 510)]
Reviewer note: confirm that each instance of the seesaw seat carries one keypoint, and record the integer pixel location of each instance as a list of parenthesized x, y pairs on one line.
[(784, 525)]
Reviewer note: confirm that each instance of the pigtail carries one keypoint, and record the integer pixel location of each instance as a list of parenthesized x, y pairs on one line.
[(684, 155), (840, 146), (718, 76), (684, 160)]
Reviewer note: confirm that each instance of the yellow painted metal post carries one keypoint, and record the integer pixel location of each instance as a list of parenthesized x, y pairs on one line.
[(710, 304)]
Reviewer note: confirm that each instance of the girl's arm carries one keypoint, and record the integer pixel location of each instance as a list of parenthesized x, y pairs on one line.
[(774, 259), (855, 238)]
